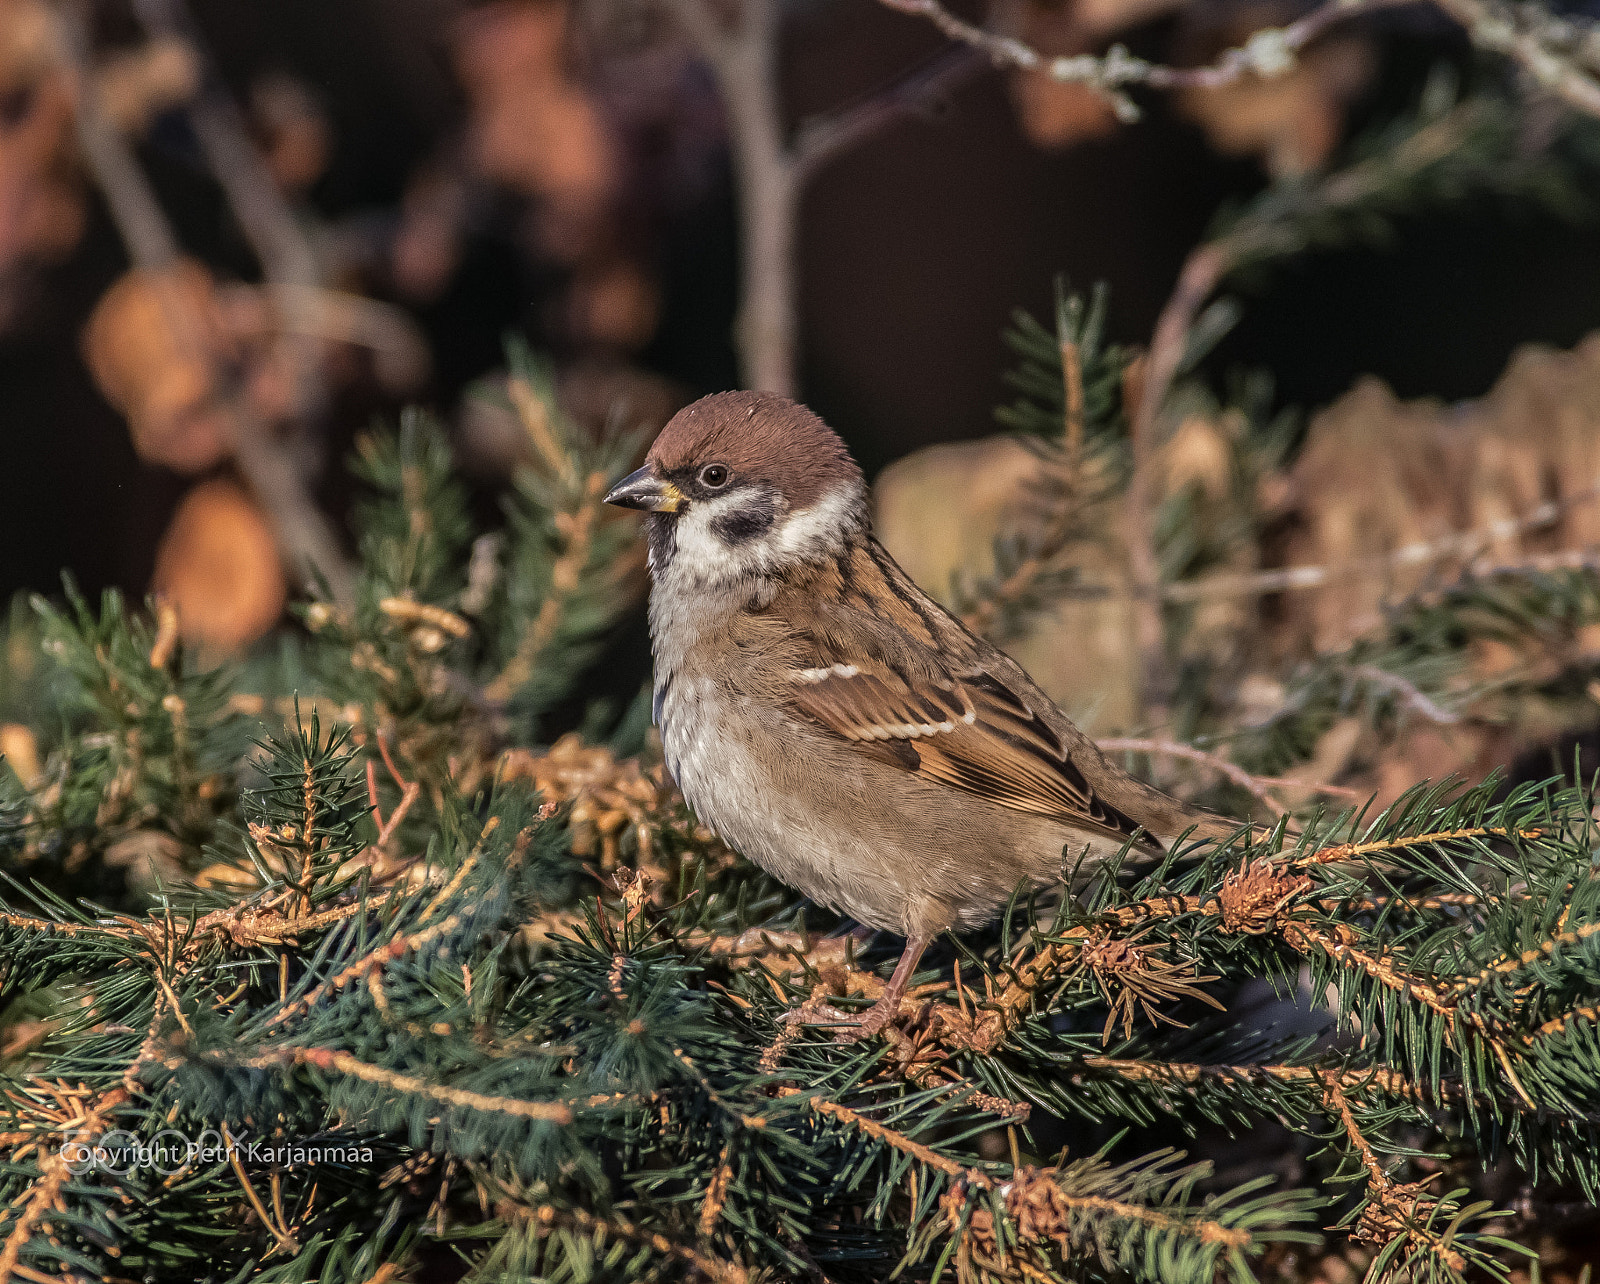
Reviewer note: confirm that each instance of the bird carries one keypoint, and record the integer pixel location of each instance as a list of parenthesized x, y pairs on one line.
[(831, 721)]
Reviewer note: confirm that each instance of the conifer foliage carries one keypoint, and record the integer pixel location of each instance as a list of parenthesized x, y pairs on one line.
[(323, 969)]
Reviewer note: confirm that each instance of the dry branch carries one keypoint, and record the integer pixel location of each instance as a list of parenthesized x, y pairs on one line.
[(305, 537), (1271, 51), (1257, 786), (1458, 545)]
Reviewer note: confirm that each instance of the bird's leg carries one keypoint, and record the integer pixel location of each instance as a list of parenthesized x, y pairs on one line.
[(881, 1012)]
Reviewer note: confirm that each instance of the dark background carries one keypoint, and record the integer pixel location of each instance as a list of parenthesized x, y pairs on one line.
[(915, 249)]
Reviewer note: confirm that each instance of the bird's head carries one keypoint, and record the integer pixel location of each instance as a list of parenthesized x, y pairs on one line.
[(745, 484)]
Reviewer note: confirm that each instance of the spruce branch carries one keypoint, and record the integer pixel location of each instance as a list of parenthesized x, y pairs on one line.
[(1395, 1213), (331, 1059), (546, 1218), (553, 989), (1071, 417), (1447, 148), (573, 565), (83, 1119)]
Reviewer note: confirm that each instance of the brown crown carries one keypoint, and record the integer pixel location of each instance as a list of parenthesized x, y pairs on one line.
[(760, 437)]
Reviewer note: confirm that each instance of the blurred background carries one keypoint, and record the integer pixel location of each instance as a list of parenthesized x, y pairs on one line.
[(1257, 411), (233, 235)]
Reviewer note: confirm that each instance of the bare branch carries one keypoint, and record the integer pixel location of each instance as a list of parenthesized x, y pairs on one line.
[(279, 242), (305, 537), (1271, 51), (1409, 694), (1201, 274), (743, 58), (1463, 545), (822, 138), (1172, 749), (1002, 50), (1515, 31)]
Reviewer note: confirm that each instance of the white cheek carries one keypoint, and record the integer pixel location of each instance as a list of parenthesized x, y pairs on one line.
[(697, 545), (797, 536), (816, 529)]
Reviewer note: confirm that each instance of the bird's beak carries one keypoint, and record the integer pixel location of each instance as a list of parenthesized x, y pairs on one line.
[(647, 490)]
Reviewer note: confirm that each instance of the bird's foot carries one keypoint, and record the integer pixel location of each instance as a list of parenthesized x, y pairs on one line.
[(855, 1026), (871, 1021), (815, 1012)]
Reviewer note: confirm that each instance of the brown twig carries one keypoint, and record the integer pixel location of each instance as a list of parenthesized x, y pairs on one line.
[(372, 794), (1255, 785), (1071, 398), (376, 960), (27, 923), (1362, 1079), (976, 1177), (1063, 525), (1013, 588), (1516, 962), (1378, 1179), (1337, 852), (716, 1192), (534, 414), (331, 1059), (1392, 1206), (520, 843), (165, 646), (388, 762), (566, 575), (286, 1241), (906, 1145), (243, 927), (412, 792)]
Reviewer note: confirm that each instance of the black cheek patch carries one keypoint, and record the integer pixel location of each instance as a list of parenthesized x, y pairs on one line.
[(662, 532), (750, 522)]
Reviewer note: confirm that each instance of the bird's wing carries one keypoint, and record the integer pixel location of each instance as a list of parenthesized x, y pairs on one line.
[(967, 728)]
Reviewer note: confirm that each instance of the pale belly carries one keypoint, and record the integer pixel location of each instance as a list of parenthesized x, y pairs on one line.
[(814, 815)]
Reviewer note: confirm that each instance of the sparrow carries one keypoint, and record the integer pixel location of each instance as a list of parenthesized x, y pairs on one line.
[(834, 723)]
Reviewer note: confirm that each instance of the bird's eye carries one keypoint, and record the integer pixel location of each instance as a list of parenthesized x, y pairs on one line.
[(714, 476)]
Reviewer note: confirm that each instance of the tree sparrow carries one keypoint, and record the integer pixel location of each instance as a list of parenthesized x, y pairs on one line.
[(834, 723)]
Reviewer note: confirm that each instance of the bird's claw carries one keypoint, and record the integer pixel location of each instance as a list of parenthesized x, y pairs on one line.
[(814, 1013), (856, 1026), (867, 1025)]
